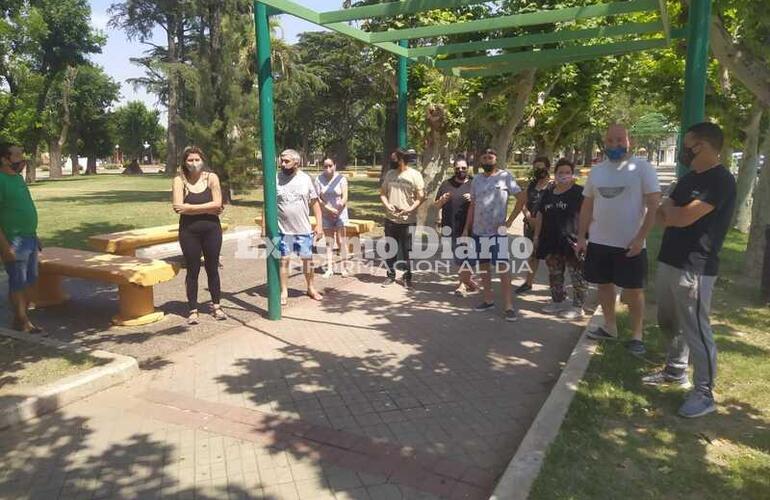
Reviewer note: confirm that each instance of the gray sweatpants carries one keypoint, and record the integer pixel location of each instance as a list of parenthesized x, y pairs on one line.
[(684, 303)]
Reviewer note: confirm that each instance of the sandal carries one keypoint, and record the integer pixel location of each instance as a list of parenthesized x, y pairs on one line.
[(192, 319), (219, 314)]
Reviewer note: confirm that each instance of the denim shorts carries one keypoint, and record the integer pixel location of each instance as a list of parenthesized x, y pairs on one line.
[(330, 223), (22, 273), (298, 244), (491, 249)]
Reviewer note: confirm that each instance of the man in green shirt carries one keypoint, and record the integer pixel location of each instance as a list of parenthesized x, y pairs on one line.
[(18, 234)]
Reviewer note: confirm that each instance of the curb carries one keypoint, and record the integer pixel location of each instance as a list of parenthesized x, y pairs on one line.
[(50, 397), (518, 478)]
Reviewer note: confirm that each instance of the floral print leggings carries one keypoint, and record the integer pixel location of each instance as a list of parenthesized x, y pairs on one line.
[(557, 265)]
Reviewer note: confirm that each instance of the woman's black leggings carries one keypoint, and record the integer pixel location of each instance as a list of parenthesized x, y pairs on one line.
[(201, 237)]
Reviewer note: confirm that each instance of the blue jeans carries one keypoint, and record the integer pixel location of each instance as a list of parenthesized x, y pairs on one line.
[(22, 272)]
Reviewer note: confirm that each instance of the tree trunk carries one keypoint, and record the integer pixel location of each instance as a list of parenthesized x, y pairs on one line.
[(66, 122), (588, 151), (760, 215), (751, 71), (747, 172), (390, 140), (33, 143), (31, 174), (217, 65), (55, 163), (501, 141), (172, 130), (75, 159), (435, 163), (91, 165)]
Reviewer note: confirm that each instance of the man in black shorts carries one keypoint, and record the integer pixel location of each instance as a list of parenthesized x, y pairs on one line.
[(621, 197)]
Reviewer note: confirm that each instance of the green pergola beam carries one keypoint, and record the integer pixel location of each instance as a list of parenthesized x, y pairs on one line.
[(519, 20), (549, 54), (296, 10), (550, 57), (538, 39), (391, 9)]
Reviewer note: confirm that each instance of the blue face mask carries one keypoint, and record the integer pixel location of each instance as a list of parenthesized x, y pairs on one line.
[(617, 153)]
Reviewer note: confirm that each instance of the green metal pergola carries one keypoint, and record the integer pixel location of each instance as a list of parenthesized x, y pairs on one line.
[(473, 59)]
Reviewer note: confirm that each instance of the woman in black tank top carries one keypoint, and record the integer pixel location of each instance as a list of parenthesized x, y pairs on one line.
[(198, 201)]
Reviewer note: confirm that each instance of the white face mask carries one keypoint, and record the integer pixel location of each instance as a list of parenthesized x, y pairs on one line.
[(564, 178)]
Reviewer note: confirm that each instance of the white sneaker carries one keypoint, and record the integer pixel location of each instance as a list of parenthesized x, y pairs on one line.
[(328, 274), (555, 307), (572, 313)]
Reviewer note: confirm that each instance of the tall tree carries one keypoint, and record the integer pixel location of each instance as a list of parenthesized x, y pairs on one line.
[(165, 65), (133, 125), (66, 40)]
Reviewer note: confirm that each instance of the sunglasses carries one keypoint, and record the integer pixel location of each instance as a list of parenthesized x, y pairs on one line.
[(461, 168)]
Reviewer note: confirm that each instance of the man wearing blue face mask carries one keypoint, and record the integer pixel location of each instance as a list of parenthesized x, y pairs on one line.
[(621, 197)]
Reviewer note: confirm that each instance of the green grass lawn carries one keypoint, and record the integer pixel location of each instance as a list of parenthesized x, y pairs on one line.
[(24, 365), (623, 440), (72, 209)]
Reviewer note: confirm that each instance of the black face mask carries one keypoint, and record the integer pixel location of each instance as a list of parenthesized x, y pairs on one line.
[(686, 156), (394, 164), (540, 173), (461, 174), (488, 167)]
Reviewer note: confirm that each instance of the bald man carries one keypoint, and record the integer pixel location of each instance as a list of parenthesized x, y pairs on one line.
[(621, 197)]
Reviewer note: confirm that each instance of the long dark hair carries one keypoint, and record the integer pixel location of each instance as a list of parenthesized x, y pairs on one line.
[(191, 150)]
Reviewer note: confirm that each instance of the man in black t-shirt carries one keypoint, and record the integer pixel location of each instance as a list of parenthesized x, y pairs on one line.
[(696, 216), (453, 199)]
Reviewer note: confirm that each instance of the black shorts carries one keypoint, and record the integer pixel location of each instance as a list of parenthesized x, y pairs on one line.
[(605, 264)]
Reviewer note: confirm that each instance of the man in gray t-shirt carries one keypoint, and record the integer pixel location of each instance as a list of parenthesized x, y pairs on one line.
[(296, 196), (488, 222)]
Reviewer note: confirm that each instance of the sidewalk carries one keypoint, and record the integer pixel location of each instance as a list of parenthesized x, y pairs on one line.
[(374, 393)]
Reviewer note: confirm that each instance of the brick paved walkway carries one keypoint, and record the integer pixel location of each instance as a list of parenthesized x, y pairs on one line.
[(373, 394)]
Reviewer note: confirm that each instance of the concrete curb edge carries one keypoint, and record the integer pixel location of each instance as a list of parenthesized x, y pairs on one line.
[(518, 478), (50, 397)]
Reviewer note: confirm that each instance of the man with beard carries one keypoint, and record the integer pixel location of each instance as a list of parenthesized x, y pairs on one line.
[(453, 199), (296, 195)]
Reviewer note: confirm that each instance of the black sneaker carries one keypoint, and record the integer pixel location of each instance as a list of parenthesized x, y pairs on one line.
[(523, 288), (511, 315), (408, 284), (484, 306), (388, 282), (600, 334), (636, 347)]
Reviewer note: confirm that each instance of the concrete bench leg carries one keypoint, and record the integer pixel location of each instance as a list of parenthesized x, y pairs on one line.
[(48, 291), (137, 306)]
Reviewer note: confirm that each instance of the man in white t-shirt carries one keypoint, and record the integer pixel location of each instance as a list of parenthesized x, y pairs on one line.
[(621, 197)]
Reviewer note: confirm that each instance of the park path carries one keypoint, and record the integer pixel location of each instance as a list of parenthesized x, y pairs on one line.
[(374, 393)]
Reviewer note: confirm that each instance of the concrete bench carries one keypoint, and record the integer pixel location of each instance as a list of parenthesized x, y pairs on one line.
[(127, 242), (353, 227), (134, 276)]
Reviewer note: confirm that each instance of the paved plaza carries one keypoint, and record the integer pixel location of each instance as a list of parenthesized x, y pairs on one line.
[(374, 393)]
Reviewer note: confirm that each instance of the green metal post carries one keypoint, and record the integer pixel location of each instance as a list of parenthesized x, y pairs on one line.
[(403, 96), (267, 125), (694, 106)]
